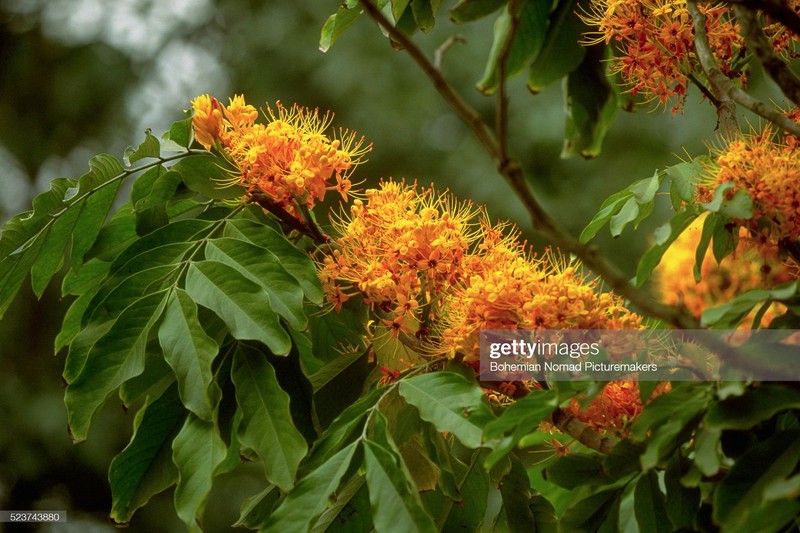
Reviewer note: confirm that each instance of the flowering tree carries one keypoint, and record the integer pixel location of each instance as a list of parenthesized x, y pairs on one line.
[(244, 317)]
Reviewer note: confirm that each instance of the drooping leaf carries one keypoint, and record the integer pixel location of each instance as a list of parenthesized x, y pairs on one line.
[(516, 491), (255, 510), (145, 468), (151, 211), (395, 503), (116, 357), (469, 10), (561, 52), (682, 503), (239, 302), (266, 425), (650, 505), (190, 352), (591, 106), (451, 403), (756, 405), (309, 497), (197, 452), (527, 41)]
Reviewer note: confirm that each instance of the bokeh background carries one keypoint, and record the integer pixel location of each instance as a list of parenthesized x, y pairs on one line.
[(79, 77)]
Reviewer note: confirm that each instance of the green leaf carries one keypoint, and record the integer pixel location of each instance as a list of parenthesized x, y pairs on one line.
[(145, 468), (51, 255), (310, 496), (665, 236), (627, 213), (593, 512), (527, 41), (682, 181), (350, 510), (197, 452), (210, 176), (728, 315), (239, 302), (424, 14), (515, 489), (395, 503), (264, 268), (116, 357), (577, 469), (650, 505), (451, 403), (182, 231), (256, 509), (561, 52), (682, 503), (591, 106), (610, 207), (473, 486), (190, 352), (150, 147), (756, 405), (520, 418), (151, 211), (266, 425), (296, 262), (179, 136), (469, 10), (742, 490), (337, 24)]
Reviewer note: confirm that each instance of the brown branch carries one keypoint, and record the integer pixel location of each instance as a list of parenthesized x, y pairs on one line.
[(308, 228), (727, 90), (511, 170), (775, 9), (775, 67)]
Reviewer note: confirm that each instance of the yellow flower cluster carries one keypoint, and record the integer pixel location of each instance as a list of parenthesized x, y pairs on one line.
[(769, 171), (655, 43), (290, 159), (754, 264)]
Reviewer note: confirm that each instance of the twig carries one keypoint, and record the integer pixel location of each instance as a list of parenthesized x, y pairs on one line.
[(758, 42), (438, 56), (501, 117), (305, 227), (723, 84)]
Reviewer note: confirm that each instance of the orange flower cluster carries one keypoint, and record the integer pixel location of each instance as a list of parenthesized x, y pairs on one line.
[(655, 42), (752, 265), (614, 408), (289, 159), (769, 171), (403, 249)]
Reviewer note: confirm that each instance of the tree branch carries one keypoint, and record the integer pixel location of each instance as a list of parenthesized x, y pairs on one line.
[(727, 90), (774, 66), (775, 9)]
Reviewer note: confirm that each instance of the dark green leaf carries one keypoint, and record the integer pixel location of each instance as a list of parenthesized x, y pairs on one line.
[(451, 403), (650, 505), (576, 469), (591, 106), (519, 419), (197, 452), (627, 214), (742, 490), (349, 512), (710, 225), (424, 14), (561, 52), (255, 510), (683, 503), (527, 41), (210, 176), (267, 425), (469, 10), (593, 512), (151, 211), (473, 483), (756, 405), (516, 492), (116, 357), (239, 302), (309, 498), (395, 503), (145, 468), (190, 352), (296, 262), (264, 268)]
